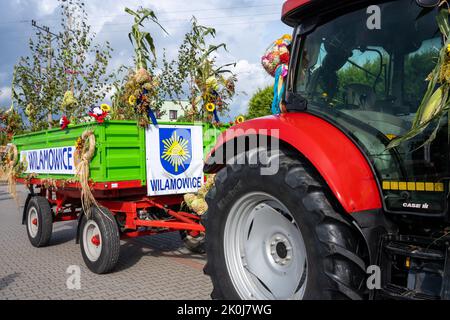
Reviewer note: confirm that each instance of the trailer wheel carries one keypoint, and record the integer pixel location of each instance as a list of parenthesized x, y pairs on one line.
[(279, 237), (100, 240), (39, 218), (194, 244)]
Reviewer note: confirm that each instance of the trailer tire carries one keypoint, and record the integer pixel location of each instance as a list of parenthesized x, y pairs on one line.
[(39, 221), (193, 244), (99, 240), (335, 254)]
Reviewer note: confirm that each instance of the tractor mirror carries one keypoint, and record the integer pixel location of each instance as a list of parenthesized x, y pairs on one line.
[(295, 102), (428, 3)]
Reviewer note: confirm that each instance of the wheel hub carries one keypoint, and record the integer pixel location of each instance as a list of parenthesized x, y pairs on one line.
[(92, 240), (280, 250), (35, 221), (264, 249), (95, 240)]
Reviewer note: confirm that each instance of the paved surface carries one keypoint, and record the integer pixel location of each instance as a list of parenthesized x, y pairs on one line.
[(155, 267)]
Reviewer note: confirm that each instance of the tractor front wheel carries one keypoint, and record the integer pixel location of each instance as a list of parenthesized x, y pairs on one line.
[(279, 237)]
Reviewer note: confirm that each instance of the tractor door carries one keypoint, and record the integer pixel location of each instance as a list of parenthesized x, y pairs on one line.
[(369, 82)]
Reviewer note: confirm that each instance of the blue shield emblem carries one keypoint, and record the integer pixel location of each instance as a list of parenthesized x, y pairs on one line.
[(175, 145)]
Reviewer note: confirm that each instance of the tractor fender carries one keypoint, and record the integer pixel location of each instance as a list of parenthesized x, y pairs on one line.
[(337, 159)]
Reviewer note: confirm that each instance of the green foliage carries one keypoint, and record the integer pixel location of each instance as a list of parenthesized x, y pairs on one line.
[(260, 104), (69, 62), (10, 125), (368, 76), (142, 41), (196, 75)]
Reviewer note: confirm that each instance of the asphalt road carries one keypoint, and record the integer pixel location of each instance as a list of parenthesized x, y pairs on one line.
[(151, 268)]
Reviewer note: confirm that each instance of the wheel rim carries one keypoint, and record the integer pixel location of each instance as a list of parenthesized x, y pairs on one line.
[(92, 240), (33, 222), (264, 249)]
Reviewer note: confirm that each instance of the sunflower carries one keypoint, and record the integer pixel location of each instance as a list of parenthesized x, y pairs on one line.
[(79, 144), (105, 107), (210, 107), (132, 100), (240, 119)]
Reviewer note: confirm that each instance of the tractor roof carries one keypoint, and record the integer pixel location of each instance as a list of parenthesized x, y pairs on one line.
[(295, 10)]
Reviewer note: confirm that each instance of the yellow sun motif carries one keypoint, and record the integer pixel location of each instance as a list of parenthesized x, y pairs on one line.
[(176, 151)]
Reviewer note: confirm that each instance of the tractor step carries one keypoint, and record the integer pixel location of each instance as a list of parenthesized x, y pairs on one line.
[(414, 268), (413, 251), (392, 291)]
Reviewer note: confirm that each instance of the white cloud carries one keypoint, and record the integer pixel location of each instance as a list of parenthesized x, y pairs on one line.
[(46, 7), (5, 95), (251, 77)]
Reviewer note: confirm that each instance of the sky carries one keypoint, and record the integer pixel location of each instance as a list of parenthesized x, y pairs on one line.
[(246, 26)]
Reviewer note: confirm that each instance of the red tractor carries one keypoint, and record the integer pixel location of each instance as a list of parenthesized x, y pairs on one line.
[(311, 204)]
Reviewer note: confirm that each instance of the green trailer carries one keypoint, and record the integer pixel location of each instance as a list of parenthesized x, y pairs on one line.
[(137, 178)]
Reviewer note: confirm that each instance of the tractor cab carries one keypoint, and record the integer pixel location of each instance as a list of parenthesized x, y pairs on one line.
[(363, 67)]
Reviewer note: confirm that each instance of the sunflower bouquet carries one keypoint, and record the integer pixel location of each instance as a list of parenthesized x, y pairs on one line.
[(140, 92)]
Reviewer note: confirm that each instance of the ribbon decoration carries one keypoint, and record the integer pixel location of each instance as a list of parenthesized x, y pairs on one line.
[(216, 116), (278, 88), (150, 112)]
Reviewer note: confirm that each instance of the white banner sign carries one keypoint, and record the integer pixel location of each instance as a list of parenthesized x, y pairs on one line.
[(50, 161), (174, 159)]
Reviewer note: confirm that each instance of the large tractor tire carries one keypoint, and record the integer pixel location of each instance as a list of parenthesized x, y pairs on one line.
[(39, 221), (279, 236), (100, 240)]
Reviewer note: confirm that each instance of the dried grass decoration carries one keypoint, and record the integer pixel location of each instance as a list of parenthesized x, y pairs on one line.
[(197, 202), (85, 150), (11, 161)]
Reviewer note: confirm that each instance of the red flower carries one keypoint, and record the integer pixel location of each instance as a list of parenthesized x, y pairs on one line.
[(99, 118), (64, 123), (284, 58)]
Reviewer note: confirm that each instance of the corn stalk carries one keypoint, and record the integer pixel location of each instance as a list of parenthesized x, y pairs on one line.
[(436, 101), (142, 41)]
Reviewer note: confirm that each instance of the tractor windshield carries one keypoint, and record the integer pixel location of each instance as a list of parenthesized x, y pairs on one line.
[(366, 72)]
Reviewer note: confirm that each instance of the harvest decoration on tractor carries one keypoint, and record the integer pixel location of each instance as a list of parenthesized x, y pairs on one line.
[(362, 159)]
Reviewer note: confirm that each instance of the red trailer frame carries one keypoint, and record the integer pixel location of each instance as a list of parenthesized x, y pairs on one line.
[(127, 198)]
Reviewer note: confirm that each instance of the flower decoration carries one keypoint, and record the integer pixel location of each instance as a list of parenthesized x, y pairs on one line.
[(275, 61), (240, 119), (141, 90), (64, 123), (105, 107), (132, 100), (98, 113), (79, 145), (210, 107)]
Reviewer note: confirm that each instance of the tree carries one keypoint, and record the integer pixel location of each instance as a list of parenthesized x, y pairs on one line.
[(195, 74), (65, 80), (260, 104)]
